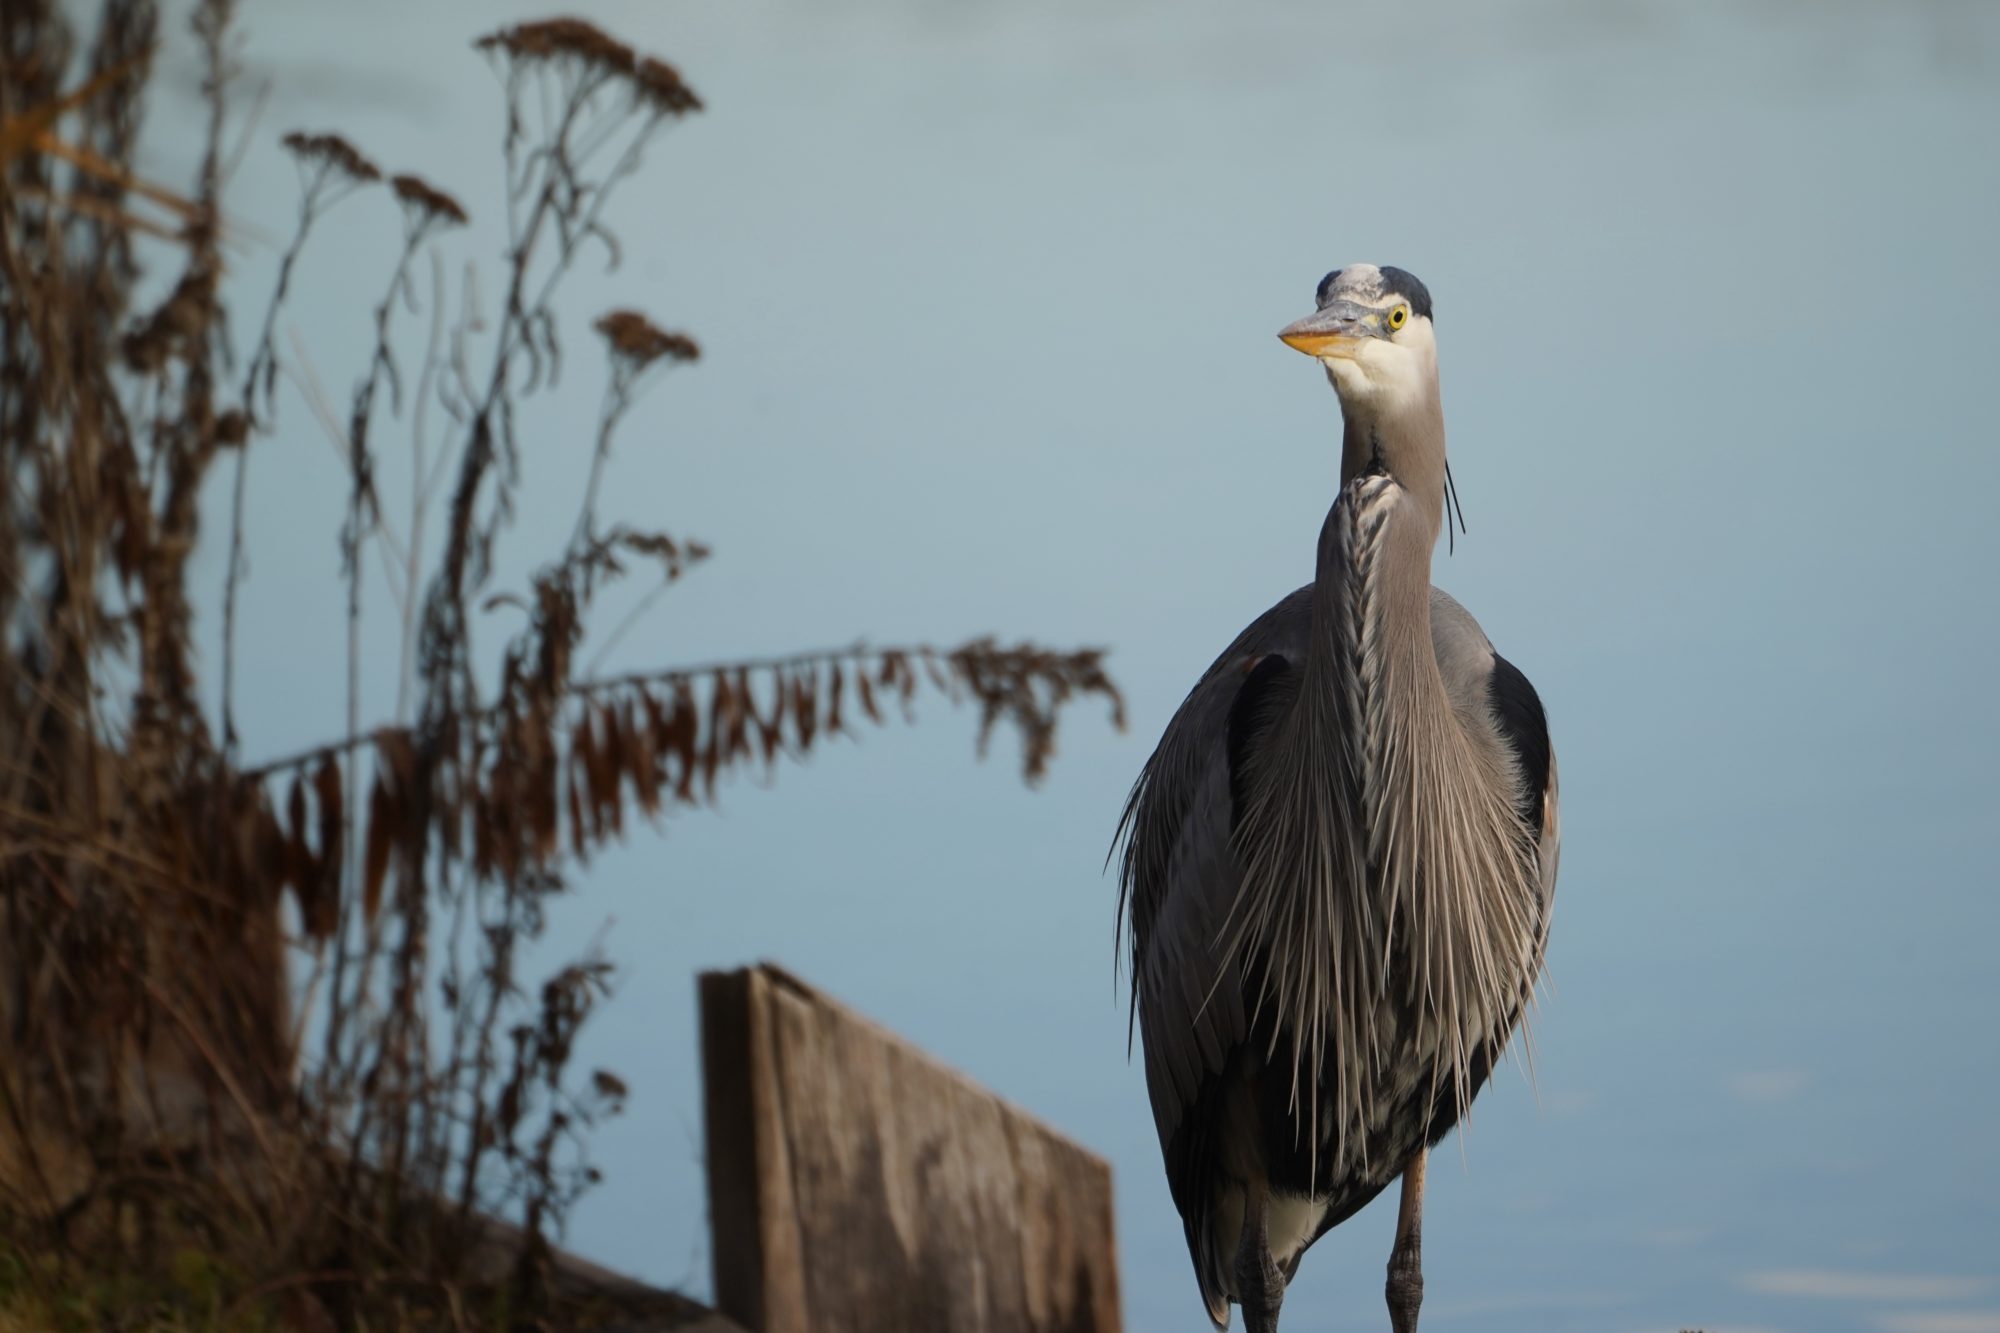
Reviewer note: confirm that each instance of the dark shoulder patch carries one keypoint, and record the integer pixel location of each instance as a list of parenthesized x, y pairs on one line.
[(1406, 285), (1249, 713), (1518, 710)]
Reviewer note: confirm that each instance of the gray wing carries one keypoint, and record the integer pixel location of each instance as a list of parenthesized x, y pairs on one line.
[(1177, 881), (1489, 693)]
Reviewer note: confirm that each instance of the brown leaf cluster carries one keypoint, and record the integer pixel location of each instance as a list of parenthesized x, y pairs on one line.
[(288, 843), (1028, 686), (558, 766)]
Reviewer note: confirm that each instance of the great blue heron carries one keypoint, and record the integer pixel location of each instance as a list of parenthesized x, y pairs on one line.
[(1339, 862)]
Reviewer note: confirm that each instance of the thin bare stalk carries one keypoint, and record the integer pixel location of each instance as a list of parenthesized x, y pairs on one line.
[(328, 175), (419, 490)]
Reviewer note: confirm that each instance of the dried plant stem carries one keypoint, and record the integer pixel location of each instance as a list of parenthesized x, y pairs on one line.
[(419, 490), (362, 512), (608, 416), (260, 362)]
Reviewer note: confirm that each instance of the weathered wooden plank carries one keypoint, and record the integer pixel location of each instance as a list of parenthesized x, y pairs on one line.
[(858, 1186)]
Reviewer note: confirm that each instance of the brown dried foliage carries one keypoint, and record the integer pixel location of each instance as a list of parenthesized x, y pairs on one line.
[(427, 201), (586, 52), (640, 342), (331, 153), (147, 872)]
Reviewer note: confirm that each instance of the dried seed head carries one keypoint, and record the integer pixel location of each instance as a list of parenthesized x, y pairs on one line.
[(639, 342), (330, 150), (553, 40), (660, 88), (427, 204), (584, 47)]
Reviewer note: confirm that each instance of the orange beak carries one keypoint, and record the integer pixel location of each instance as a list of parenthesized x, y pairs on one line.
[(1337, 331)]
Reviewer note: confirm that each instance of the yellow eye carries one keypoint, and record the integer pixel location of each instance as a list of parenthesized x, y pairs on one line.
[(1398, 317)]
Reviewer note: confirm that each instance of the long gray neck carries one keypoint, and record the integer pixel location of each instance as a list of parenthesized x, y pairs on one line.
[(1408, 445), (1373, 579)]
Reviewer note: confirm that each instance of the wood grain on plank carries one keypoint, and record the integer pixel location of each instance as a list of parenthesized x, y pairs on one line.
[(858, 1186)]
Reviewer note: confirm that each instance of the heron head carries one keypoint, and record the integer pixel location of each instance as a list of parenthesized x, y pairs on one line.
[(1372, 332)]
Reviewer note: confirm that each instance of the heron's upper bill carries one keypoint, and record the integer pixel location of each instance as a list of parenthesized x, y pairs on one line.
[(1336, 331)]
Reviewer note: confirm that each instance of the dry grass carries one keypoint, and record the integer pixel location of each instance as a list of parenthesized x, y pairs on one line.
[(162, 1092)]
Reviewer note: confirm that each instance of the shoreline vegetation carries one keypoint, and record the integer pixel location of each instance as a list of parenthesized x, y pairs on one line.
[(273, 1059)]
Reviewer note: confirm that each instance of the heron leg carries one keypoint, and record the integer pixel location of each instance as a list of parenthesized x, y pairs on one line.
[(1260, 1287), (1405, 1288)]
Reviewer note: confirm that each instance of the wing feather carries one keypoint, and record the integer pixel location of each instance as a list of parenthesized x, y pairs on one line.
[(1178, 879)]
